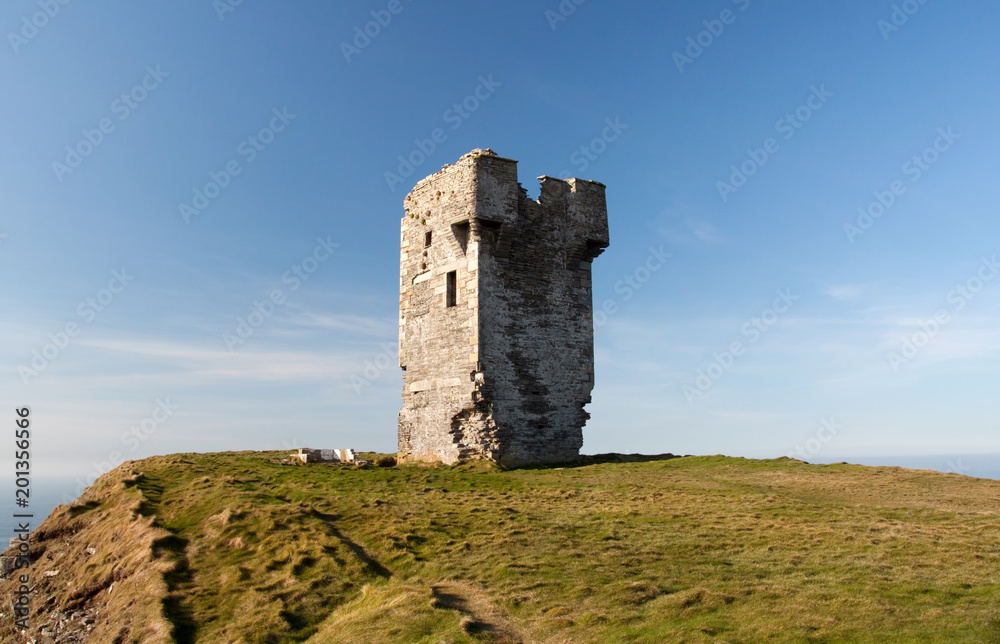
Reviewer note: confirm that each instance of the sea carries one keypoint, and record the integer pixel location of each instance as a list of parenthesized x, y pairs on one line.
[(983, 466), (47, 493)]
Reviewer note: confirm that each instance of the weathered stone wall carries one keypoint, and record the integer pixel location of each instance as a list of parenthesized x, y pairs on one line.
[(437, 344), (505, 374)]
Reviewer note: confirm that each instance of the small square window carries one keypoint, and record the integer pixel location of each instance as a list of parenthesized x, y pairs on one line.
[(427, 239), (451, 289)]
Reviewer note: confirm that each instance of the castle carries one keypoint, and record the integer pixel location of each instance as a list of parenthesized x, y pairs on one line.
[(496, 333)]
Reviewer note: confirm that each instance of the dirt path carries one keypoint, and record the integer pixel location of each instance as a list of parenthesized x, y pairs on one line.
[(482, 615)]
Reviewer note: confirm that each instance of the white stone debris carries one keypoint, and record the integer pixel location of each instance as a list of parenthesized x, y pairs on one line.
[(307, 455)]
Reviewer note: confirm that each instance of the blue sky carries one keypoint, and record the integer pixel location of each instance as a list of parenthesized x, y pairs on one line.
[(748, 139)]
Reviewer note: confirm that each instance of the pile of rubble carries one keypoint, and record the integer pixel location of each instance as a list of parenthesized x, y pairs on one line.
[(306, 455), (66, 627)]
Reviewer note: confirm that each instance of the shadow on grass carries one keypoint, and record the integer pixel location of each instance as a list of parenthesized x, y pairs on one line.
[(185, 629), (77, 510), (448, 598), (359, 552), (152, 492), (598, 459)]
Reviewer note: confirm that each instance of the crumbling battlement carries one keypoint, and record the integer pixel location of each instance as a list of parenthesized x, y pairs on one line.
[(496, 314)]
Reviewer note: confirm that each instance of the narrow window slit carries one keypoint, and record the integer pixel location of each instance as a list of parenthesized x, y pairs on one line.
[(451, 289)]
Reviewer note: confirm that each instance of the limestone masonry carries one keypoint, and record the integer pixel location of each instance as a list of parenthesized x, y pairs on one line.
[(496, 334)]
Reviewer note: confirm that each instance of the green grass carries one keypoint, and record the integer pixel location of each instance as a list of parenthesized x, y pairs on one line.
[(697, 549)]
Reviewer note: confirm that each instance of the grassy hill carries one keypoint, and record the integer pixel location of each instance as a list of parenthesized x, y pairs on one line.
[(237, 547)]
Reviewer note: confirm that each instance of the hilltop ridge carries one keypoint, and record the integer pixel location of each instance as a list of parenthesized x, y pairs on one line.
[(237, 547)]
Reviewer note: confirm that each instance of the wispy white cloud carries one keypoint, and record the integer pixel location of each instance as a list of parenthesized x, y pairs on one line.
[(691, 231), (200, 362), (353, 323), (848, 292)]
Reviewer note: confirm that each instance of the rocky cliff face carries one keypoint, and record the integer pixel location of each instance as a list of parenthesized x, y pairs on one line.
[(98, 570)]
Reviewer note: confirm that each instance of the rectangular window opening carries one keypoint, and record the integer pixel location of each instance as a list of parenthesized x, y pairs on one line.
[(427, 239), (461, 232), (451, 289)]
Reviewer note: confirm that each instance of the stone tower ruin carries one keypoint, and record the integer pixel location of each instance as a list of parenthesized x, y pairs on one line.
[(496, 332)]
